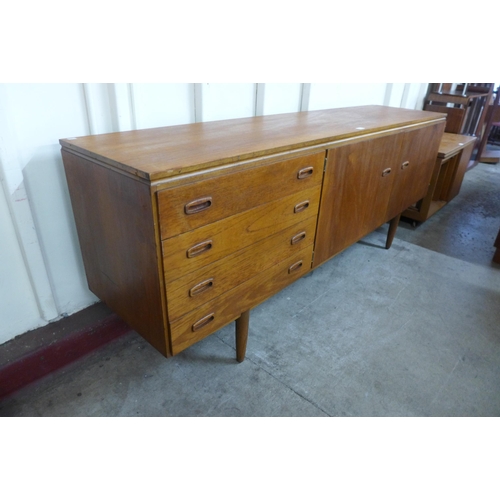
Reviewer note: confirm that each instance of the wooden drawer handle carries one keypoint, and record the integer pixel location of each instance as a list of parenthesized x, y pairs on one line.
[(298, 237), (295, 267), (300, 207), (201, 287), (386, 172), (196, 206), (404, 165), (199, 248), (203, 322), (305, 172)]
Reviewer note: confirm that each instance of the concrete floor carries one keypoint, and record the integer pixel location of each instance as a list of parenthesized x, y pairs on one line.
[(410, 331)]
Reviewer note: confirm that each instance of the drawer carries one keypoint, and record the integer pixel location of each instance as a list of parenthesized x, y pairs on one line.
[(202, 285), (190, 206), (187, 252), (220, 311)]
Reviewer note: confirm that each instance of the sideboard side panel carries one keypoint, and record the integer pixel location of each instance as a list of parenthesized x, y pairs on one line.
[(115, 225)]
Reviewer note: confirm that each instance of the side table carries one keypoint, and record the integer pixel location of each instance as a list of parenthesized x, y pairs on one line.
[(451, 163)]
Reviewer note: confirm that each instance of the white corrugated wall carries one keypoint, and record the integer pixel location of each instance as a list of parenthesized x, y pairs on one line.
[(41, 270)]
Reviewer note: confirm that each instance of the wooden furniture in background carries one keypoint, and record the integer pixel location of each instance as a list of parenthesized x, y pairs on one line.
[(465, 105), (449, 170), (491, 132), (185, 229), (496, 256)]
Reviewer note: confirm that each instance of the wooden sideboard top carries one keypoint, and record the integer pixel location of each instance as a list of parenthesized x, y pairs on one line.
[(451, 143), (158, 153)]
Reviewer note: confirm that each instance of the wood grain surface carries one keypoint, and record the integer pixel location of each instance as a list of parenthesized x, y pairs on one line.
[(115, 224), (236, 268), (418, 149), (355, 193), (452, 143), (168, 151), (234, 193), (229, 306), (234, 233)]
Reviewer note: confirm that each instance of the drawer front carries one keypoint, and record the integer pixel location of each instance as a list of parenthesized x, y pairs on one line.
[(187, 252), (190, 206), (202, 285), (220, 311)]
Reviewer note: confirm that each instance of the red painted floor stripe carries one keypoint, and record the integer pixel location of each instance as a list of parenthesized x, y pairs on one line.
[(54, 356)]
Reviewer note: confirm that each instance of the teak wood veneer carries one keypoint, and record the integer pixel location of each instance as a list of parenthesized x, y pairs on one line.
[(451, 163), (185, 229)]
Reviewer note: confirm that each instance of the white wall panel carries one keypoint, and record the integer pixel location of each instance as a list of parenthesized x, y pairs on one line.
[(18, 307), (38, 115), (396, 94), (98, 106), (414, 95), (49, 198), (340, 95), (221, 101), (12, 181), (281, 98), (121, 101), (163, 104), (44, 113)]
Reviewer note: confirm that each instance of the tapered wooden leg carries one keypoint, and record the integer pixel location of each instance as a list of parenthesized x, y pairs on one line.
[(393, 225), (242, 335)]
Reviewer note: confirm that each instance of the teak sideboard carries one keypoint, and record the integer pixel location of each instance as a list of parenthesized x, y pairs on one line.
[(185, 229)]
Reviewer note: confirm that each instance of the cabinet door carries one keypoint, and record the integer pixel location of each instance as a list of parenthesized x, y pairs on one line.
[(412, 176), (356, 189)]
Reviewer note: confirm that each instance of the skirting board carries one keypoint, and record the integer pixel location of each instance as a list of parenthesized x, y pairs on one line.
[(55, 355)]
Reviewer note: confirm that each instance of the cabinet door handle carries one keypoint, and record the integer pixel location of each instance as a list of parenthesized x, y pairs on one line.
[(295, 267), (201, 287), (386, 172), (203, 322), (405, 165), (305, 172), (196, 206), (298, 237), (199, 248), (300, 207)]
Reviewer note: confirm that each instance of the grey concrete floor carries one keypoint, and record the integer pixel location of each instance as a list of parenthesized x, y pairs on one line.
[(410, 331)]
